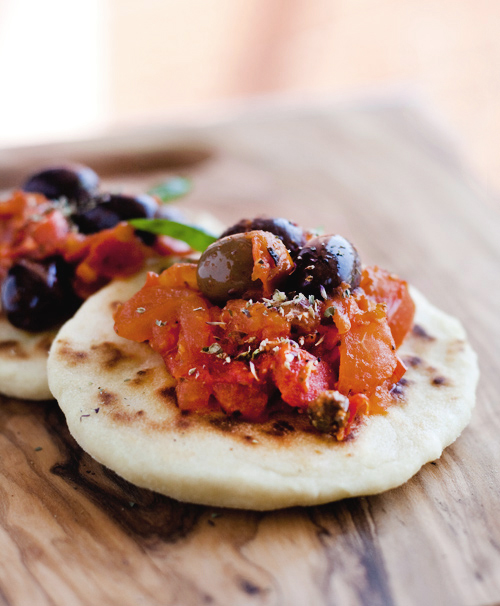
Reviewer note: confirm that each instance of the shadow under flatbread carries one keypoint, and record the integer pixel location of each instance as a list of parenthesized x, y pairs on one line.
[(138, 511)]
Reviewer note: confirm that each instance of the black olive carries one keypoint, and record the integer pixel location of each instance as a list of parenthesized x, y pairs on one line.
[(225, 268), (326, 261), (107, 210), (75, 182), (292, 236), (37, 296)]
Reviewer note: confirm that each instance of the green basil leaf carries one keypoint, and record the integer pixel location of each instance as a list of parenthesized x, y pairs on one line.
[(171, 189), (197, 238)]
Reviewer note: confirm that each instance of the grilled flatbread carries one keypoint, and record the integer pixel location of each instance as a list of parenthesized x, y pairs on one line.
[(23, 358), (119, 402), (23, 362)]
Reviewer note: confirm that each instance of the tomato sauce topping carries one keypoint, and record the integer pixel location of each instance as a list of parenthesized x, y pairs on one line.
[(36, 232), (333, 357)]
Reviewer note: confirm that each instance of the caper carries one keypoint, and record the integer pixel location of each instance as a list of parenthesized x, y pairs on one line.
[(329, 412), (326, 261), (292, 236)]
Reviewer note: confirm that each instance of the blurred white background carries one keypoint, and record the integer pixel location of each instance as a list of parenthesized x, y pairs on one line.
[(69, 69), (54, 69)]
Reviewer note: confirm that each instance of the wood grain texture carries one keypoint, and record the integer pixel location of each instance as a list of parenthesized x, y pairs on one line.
[(74, 533)]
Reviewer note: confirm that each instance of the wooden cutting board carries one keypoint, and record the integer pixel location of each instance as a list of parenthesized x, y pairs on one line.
[(72, 532)]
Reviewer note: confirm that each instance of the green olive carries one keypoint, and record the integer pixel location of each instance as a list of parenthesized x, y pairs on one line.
[(225, 268)]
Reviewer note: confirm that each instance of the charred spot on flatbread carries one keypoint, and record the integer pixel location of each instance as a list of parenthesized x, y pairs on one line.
[(183, 423), (412, 361), (439, 381), (13, 349), (167, 393), (281, 428), (399, 391), (420, 332), (456, 347), (106, 397), (141, 377), (72, 356), (109, 355)]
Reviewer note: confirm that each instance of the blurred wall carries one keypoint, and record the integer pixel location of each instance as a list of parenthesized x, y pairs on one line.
[(54, 69), (129, 61)]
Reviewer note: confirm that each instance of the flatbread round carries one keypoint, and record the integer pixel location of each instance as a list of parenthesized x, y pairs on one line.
[(119, 402), (23, 362)]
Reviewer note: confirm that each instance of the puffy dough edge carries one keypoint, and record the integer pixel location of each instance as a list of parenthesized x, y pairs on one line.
[(23, 362)]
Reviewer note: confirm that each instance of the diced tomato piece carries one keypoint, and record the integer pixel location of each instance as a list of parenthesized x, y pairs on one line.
[(327, 346), (16, 205), (117, 252), (138, 317), (260, 322), (298, 375), (50, 232), (76, 247), (109, 254), (157, 310), (30, 227), (391, 290), (248, 399), (194, 333), (359, 405), (193, 395), (367, 357), (179, 275), (399, 371), (339, 310), (272, 261), (23, 206)]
